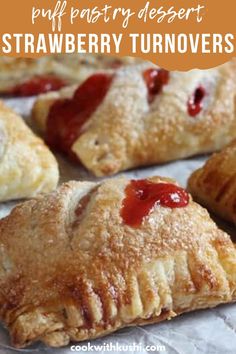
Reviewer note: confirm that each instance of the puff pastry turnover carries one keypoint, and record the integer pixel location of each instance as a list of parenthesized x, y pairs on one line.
[(27, 167), (150, 255), (214, 185), (27, 77), (140, 115)]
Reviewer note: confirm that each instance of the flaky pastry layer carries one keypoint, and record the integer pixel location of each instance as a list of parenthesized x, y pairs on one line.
[(214, 185), (27, 167)]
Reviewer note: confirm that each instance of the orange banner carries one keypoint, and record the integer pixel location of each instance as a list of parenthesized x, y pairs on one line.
[(176, 34)]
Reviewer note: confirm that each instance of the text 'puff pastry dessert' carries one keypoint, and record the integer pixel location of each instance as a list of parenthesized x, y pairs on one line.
[(140, 115), (150, 255), (27, 167), (214, 185)]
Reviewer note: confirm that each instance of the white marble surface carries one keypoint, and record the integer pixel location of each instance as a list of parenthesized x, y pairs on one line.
[(205, 332)]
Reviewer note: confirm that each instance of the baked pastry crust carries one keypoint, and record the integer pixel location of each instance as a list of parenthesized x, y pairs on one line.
[(127, 131), (27, 167), (76, 276), (72, 68), (214, 185)]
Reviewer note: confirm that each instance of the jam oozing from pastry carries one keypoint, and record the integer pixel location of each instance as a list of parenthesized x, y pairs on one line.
[(155, 80), (195, 102), (37, 85), (67, 117), (143, 195)]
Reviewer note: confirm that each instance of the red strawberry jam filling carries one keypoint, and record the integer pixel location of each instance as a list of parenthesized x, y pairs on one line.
[(67, 116), (142, 195), (37, 85), (155, 80), (195, 102)]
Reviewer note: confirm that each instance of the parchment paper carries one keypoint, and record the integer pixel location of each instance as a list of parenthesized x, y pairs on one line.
[(204, 332)]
